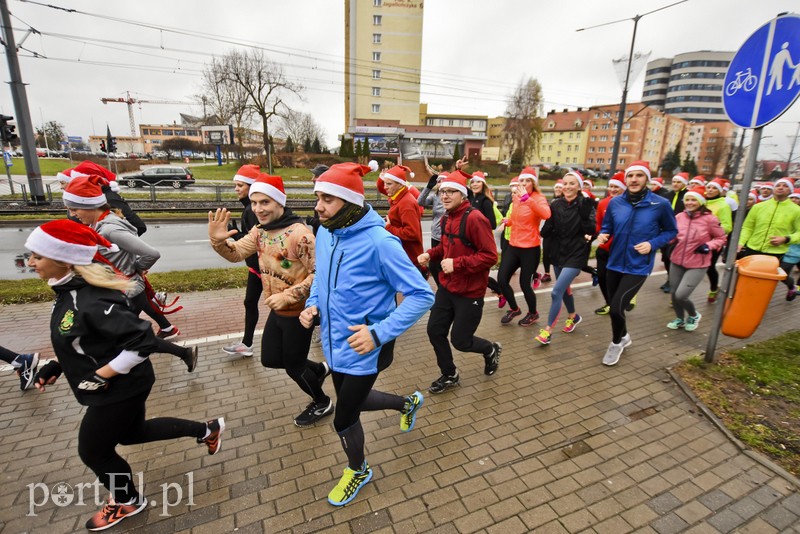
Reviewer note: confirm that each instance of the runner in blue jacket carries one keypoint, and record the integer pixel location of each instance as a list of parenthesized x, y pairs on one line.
[(360, 269), (640, 222)]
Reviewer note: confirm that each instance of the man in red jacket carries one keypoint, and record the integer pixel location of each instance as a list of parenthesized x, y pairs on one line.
[(404, 219), (466, 252)]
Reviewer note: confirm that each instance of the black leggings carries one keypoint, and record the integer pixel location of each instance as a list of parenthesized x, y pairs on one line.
[(713, 275), (123, 423), (435, 267), (141, 304), (6, 355), (525, 259), (601, 255), (621, 289), (252, 295), (460, 316), (284, 345)]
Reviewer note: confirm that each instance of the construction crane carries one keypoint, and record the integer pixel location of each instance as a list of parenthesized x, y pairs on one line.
[(131, 101)]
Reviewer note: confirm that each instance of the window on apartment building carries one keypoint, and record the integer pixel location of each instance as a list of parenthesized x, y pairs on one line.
[(376, 91), (604, 138), (558, 154), (377, 3), (376, 56), (605, 126), (376, 74), (560, 141), (376, 20), (596, 115), (569, 148), (376, 38), (591, 149), (590, 160), (621, 162), (594, 126), (600, 160), (166, 132), (376, 108), (593, 138), (570, 135), (450, 121), (623, 150), (602, 149), (714, 130), (624, 137)]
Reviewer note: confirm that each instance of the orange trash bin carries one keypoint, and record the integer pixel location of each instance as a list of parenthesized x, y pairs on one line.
[(757, 277)]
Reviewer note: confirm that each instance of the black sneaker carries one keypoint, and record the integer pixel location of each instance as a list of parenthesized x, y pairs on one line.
[(314, 412), (509, 316), (27, 370), (190, 358), (529, 319), (443, 383), (492, 360)]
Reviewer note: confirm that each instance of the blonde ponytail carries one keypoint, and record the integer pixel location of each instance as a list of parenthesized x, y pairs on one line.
[(99, 275)]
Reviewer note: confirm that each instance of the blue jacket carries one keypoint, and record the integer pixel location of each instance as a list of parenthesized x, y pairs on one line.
[(360, 269), (652, 219)]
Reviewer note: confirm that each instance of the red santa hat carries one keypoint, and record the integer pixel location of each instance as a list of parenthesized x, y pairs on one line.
[(269, 185), (681, 177), (456, 180), (698, 180), (85, 193), (67, 241), (514, 181), (753, 194), (529, 172), (89, 167), (768, 185), (479, 176), (717, 183), (787, 182), (618, 181), (399, 174), (345, 181), (659, 181), (559, 184), (442, 175), (795, 194), (639, 166), (579, 177), (247, 174), (697, 192), (67, 175)]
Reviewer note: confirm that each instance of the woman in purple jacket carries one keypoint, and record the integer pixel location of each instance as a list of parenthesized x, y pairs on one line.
[(699, 233)]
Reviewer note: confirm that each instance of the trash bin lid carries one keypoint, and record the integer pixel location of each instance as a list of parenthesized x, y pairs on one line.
[(761, 266)]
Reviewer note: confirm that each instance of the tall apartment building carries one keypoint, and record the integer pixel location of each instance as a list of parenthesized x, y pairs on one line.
[(564, 137), (689, 85), (383, 56)]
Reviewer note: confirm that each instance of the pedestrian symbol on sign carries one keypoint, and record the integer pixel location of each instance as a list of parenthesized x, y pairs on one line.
[(779, 62)]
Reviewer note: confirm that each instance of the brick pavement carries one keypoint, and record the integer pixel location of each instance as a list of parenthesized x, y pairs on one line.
[(554, 442)]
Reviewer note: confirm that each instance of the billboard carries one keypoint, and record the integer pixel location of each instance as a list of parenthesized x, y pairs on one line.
[(379, 144), (217, 135)]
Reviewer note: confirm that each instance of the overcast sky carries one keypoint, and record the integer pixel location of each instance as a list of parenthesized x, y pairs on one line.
[(475, 52)]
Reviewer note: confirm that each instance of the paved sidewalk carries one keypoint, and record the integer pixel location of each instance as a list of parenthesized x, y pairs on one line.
[(554, 442)]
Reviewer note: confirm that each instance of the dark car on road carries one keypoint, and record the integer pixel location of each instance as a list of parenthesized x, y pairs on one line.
[(174, 176)]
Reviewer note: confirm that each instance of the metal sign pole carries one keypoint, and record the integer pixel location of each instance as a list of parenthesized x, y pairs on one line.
[(730, 258)]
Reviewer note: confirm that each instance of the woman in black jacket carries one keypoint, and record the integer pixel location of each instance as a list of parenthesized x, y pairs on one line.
[(102, 348), (482, 199), (569, 232)]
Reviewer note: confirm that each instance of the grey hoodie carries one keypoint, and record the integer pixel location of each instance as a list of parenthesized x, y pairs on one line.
[(134, 255)]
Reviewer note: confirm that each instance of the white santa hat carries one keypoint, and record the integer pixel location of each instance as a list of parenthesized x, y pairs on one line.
[(67, 241)]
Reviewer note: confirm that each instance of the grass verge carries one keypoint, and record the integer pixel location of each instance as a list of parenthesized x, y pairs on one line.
[(755, 391), (35, 290)]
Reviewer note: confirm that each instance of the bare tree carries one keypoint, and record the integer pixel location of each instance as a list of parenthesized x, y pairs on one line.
[(523, 128), (298, 126), (225, 101), (265, 84)]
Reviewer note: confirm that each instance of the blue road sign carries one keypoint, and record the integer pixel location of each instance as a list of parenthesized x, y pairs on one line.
[(7, 159), (763, 80), (74, 139)]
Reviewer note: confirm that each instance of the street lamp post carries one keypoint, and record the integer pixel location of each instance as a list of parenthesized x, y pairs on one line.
[(621, 120)]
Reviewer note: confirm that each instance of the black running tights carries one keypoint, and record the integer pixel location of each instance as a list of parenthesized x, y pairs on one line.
[(621, 289), (527, 261), (252, 295)]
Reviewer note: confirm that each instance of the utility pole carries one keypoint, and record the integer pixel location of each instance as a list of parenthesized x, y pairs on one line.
[(22, 110)]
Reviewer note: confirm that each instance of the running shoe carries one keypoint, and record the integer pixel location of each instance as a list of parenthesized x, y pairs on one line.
[(213, 439), (238, 349), (315, 411), (613, 353), (665, 287), (626, 341), (546, 278), (169, 334), (572, 323), (501, 302), (190, 358), (632, 304), (112, 513), (536, 281), (676, 323), (692, 321), (492, 360), (509, 316), (349, 485), (791, 294), (27, 370), (712, 296), (443, 383), (529, 319), (543, 337), (595, 280), (409, 414), (603, 310)]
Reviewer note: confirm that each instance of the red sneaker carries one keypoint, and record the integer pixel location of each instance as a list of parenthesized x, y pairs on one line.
[(214, 438), (112, 513)]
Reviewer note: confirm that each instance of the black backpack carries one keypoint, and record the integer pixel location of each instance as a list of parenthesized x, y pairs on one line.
[(462, 230)]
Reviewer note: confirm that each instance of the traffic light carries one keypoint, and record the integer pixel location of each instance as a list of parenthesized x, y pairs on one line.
[(102, 146), (112, 144), (7, 130)]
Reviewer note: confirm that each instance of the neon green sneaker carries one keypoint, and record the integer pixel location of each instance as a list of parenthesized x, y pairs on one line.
[(349, 485), (409, 414), (543, 337)]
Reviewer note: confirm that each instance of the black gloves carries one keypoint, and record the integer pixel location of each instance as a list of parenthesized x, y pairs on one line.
[(432, 181), (93, 383), (51, 369), (702, 249)]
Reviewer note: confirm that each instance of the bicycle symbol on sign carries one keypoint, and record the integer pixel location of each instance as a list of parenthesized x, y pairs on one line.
[(745, 79)]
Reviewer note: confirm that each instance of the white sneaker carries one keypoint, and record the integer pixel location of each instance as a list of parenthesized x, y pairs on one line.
[(238, 349), (613, 353), (625, 341)]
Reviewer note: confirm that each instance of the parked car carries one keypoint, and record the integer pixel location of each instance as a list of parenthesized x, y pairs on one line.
[(171, 175)]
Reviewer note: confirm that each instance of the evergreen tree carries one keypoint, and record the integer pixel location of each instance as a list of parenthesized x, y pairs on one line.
[(358, 151), (307, 146), (315, 146), (689, 165), (456, 153), (289, 144), (365, 151)]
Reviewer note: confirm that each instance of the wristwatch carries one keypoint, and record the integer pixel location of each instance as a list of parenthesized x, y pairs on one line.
[(788, 238)]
